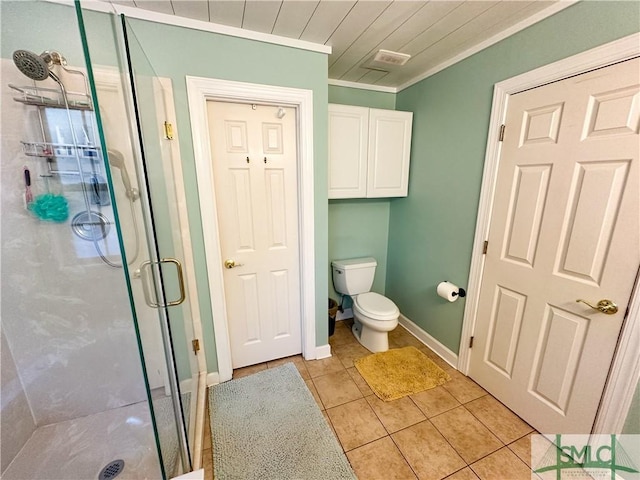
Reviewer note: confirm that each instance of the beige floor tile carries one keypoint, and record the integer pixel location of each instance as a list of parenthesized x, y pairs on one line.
[(522, 448), (428, 453), (326, 417), (400, 332), (342, 335), (464, 474), (397, 414), (243, 372), (437, 359), (314, 392), (350, 352), (207, 463), (471, 439), (380, 460), (323, 366), (336, 388), (502, 422), (206, 441), (501, 464), (297, 360), (434, 401), (534, 447), (360, 381), (355, 424), (462, 387), (404, 339)]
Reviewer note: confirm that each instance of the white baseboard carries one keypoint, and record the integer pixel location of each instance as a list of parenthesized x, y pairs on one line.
[(213, 378), (444, 353), (348, 313), (323, 351)]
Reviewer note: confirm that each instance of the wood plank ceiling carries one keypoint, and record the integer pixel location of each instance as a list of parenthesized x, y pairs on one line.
[(432, 32)]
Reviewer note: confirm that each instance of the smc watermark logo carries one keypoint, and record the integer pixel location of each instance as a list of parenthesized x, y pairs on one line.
[(598, 457)]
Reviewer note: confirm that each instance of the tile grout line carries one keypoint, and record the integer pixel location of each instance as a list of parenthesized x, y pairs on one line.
[(344, 346), (402, 453), (456, 450), (490, 429)]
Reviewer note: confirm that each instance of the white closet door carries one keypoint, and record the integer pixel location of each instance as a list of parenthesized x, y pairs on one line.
[(389, 153), (348, 128)]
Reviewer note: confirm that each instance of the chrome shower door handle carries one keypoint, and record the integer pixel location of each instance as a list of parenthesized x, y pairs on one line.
[(144, 268)]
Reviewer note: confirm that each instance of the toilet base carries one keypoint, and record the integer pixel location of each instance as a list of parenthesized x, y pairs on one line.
[(370, 339)]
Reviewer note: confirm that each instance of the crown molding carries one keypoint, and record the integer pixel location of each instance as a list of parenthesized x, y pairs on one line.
[(362, 86), (141, 14)]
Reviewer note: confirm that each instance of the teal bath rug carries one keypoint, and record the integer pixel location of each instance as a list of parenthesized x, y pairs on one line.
[(267, 426)]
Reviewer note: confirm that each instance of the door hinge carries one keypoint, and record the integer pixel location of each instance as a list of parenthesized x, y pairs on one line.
[(195, 344), (501, 137), (168, 131), (485, 246), (471, 342)]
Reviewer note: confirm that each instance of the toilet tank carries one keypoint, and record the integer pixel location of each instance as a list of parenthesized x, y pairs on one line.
[(353, 276)]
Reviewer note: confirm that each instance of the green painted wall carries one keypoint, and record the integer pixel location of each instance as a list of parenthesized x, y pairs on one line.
[(56, 27), (218, 56), (362, 98), (360, 227), (430, 240)]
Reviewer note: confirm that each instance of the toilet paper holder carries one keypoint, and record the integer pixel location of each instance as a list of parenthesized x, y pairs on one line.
[(460, 293)]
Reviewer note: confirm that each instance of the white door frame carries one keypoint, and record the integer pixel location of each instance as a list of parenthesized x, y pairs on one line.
[(200, 91), (625, 370)]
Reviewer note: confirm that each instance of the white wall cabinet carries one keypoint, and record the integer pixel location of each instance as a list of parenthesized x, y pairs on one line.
[(369, 152)]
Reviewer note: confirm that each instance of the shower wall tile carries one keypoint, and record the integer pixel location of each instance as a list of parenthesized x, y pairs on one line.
[(16, 421), (65, 314)]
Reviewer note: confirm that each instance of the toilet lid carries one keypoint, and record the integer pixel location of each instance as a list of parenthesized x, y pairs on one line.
[(376, 306)]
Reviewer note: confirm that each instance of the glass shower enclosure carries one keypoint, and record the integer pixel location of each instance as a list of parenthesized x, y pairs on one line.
[(101, 366)]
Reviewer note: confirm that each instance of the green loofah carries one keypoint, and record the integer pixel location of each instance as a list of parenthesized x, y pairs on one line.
[(49, 207)]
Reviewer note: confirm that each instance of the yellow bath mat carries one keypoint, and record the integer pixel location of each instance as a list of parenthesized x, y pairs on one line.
[(399, 372)]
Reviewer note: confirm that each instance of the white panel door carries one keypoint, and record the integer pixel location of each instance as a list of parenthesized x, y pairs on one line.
[(348, 133), (255, 176), (389, 153), (564, 226)]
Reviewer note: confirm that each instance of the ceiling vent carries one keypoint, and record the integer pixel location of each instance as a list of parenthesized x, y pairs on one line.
[(386, 60), (388, 57)]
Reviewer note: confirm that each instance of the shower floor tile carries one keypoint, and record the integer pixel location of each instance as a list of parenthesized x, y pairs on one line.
[(79, 449)]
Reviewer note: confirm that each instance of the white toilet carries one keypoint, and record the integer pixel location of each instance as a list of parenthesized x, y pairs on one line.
[(374, 314)]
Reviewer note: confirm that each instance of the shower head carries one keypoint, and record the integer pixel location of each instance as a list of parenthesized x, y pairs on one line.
[(38, 67), (34, 66), (116, 159)]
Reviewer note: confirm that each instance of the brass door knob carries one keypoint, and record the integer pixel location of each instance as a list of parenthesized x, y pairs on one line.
[(604, 306), (231, 264)]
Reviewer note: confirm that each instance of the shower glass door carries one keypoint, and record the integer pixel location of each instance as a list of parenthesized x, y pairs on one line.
[(138, 133), (98, 377)]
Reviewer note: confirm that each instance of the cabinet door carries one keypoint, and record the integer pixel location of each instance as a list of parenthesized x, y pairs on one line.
[(389, 153), (348, 130)]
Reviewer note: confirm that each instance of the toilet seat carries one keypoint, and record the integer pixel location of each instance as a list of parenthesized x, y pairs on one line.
[(375, 306)]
